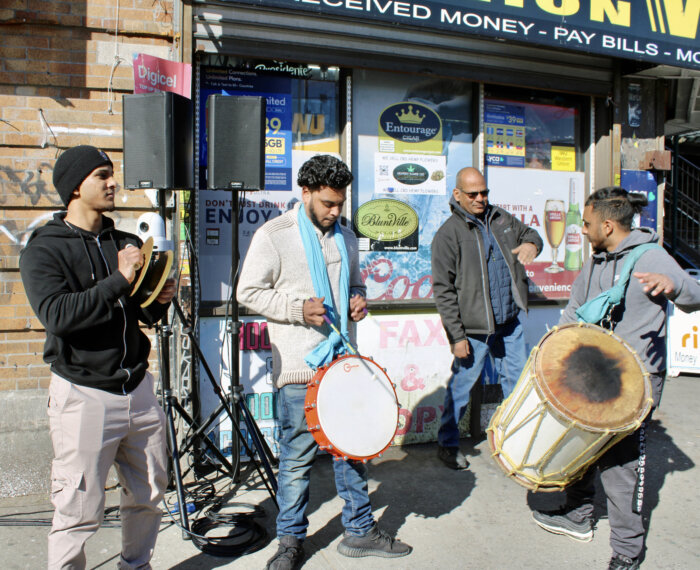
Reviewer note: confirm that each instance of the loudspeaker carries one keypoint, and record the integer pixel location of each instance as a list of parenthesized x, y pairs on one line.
[(236, 142), (158, 144)]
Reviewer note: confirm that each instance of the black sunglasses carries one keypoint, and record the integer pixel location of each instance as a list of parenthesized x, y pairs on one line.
[(473, 195)]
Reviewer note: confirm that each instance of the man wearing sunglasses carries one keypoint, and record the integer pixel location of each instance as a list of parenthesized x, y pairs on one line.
[(480, 287)]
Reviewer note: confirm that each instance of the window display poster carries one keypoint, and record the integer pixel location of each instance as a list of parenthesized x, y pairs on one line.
[(255, 378), (302, 120), (531, 135), (550, 202), (412, 135), (644, 182), (504, 127), (412, 349)]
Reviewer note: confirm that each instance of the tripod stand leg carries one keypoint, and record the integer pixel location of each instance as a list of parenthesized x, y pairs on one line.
[(269, 481), (175, 455), (258, 441), (198, 435), (253, 427)]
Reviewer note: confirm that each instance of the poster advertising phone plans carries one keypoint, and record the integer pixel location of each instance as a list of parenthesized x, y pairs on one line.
[(301, 120)]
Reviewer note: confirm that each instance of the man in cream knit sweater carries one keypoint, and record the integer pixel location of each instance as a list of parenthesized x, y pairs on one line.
[(301, 268)]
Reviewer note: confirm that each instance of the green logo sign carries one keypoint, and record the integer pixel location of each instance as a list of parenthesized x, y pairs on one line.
[(410, 174), (386, 220)]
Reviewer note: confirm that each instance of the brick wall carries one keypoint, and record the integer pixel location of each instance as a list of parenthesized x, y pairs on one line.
[(64, 66)]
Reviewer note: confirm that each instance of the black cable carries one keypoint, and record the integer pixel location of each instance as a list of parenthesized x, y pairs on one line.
[(243, 537)]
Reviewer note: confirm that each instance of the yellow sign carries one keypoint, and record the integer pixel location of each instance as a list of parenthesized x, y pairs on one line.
[(274, 145), (564, 158)]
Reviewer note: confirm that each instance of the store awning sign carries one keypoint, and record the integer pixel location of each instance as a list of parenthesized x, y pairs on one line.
[(663, 32), (153, 74)]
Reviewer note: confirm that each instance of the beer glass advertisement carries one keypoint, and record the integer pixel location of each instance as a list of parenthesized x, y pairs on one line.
[(550, 202), (411, 137), (301, 121)]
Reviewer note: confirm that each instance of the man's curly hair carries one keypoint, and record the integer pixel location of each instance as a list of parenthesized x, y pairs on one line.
[(324, 170)]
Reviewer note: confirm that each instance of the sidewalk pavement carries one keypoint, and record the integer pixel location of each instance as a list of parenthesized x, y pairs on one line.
[(469, 519)]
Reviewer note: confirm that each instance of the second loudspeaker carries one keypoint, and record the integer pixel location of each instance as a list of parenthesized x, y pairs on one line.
[(235, 142)]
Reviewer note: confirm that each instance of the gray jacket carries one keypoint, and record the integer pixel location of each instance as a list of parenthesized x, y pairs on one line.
[(640, 318), (460, 277)]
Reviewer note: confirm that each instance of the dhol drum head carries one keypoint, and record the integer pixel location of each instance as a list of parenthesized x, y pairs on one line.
[(591, 377), (352, 409)]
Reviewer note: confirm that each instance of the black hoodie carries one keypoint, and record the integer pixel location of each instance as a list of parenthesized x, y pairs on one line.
[(73, 284)]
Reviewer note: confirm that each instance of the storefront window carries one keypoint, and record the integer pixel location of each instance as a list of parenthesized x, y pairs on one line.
[(533, 145), (302, 114), (411, 135)]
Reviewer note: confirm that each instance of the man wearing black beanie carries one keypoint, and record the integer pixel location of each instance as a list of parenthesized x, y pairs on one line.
[(77, 272)]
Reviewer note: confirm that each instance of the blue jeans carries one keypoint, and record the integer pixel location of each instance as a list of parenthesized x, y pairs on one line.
[(507, 347), (297, 454)]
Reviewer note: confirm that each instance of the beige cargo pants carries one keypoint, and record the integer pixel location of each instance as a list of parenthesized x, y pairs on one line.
[(91, 430)]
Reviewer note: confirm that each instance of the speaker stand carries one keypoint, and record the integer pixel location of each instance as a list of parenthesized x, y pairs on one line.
[(261, 449)]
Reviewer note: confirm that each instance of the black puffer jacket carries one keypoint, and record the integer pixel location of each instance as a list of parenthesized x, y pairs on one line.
[(92, 324)]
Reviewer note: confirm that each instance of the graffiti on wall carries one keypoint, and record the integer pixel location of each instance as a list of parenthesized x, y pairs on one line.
[(29, 183)]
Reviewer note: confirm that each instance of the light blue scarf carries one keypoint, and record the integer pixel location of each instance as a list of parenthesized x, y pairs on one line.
[(595, 310), (333, 345)]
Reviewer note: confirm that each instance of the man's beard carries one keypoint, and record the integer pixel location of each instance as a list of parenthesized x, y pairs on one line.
[(315, 221)]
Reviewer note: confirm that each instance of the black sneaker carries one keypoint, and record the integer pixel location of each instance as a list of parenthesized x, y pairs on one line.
[(375, 543), (622, 562), (452, 457), (559, 522), (289, 554)]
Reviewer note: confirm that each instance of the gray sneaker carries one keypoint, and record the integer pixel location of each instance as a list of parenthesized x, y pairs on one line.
[(375, 543), (622, 562), (452, 457), (289, 554), (559, 522)]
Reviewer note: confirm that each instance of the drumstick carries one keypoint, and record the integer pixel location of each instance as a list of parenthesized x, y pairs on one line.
[(349, 346)]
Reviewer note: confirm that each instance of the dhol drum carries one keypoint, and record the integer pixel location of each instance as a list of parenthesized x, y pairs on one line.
[(351, 408), (583, 389)]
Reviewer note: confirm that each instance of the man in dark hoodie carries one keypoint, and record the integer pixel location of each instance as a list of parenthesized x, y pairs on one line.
[(77, 271), (480, 287), (640, 320)]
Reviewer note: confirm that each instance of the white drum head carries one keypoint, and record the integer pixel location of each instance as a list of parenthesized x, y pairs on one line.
[(357, 407)]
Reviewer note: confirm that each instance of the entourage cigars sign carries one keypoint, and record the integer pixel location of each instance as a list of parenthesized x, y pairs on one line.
[(663, 32)]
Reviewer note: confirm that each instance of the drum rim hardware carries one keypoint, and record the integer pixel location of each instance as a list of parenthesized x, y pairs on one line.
[(314, 420)]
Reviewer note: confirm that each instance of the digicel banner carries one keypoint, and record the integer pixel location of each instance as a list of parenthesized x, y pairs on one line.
[(156, 74), (658, 31)]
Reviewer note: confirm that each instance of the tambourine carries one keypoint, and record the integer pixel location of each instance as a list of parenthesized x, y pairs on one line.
[(152, 276)]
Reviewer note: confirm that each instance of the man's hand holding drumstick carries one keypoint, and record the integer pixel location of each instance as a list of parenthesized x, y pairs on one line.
[(130, 261)]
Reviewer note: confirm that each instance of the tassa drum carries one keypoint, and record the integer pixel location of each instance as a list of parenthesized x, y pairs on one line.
[(583, 389), (351, 408)]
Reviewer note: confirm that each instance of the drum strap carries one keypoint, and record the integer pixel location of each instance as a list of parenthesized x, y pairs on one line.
[(333, 345), (600, 307), (638, 498)]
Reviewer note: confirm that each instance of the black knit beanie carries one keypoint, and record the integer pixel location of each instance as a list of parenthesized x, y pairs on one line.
[(73, 166)]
